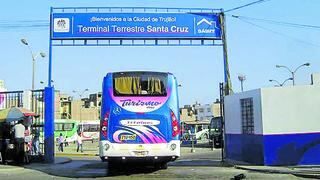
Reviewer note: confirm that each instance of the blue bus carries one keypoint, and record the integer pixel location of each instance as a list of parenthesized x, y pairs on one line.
[(140, 118)]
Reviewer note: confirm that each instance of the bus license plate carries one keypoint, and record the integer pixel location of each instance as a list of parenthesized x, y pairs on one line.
[(140, 153)]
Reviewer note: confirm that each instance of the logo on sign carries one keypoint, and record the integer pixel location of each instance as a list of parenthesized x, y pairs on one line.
[(205, 26), (117, 110), (61, 25), (147, 104)]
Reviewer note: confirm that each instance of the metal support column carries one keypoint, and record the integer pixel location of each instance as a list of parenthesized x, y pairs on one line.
[(49, 109), (49, 125), (222, 115)]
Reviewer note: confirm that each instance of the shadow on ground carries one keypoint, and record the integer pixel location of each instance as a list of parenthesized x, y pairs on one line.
[(91, 169), (95, 168)]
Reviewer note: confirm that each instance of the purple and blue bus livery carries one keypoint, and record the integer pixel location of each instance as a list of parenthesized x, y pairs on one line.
[(140, 118)]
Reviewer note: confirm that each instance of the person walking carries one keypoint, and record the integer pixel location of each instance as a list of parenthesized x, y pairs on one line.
[(60, 142), (66, 143), (79, 142), (35, 142), (19, 130)]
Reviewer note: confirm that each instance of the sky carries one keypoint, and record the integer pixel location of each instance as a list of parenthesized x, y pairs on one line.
[(254, 48)]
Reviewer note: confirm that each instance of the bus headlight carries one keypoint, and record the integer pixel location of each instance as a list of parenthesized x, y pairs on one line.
[(106, 147), (173, 147)]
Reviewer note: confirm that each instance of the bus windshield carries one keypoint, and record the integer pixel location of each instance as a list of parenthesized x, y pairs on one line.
[(215, 123), (139, 84)]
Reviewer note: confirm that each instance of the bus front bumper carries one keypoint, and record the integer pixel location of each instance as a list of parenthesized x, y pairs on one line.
[(162, 151)]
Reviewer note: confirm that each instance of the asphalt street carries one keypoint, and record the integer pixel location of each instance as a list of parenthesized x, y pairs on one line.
[(204, 163)]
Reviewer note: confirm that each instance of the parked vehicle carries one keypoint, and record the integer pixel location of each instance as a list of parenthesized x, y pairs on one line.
[(215, 132), (90, 130), (199, 129), (67, 127)]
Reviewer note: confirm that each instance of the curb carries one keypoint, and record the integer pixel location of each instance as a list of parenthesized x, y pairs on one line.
[(74, 154), (196, 162), (263, 170), (315, 176), (10, 168), (292, 172)]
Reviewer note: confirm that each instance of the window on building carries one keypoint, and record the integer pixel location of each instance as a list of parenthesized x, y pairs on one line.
[(209, 109), (247, 116), (200, 110)]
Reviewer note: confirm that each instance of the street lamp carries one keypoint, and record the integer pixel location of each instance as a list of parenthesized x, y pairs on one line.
[(34, 57), (42, 82), (280, 84), (293, 72), (80, 93), (241, 79)]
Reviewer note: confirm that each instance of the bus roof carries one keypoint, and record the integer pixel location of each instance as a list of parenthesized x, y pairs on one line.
[(156, 72)]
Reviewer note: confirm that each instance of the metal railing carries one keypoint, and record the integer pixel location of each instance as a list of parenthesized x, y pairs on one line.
[(15, 99), (11, 99)]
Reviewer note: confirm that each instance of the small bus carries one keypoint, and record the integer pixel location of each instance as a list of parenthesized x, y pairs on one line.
[(140, 118), (67, 127), (89, 130)]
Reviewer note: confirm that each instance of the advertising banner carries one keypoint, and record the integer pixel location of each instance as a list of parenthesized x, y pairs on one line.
[(135, 26)]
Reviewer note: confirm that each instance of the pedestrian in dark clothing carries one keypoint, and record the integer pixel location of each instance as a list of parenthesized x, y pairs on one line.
[(19, 130), (66, 143), (5, 141), (35, 142)]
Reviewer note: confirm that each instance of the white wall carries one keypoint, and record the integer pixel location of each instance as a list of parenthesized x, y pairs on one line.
[(27, 99), (233, 122), (2, 96), (292, 109)]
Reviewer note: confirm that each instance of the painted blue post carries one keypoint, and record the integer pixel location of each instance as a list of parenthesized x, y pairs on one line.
[(49, 110), (49, 125), (50, 52)]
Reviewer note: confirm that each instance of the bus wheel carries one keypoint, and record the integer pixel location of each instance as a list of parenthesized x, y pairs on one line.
[(164, 166), (112, 165), (159, 166)]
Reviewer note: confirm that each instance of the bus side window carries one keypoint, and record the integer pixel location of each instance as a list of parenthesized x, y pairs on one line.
[(58, 127)]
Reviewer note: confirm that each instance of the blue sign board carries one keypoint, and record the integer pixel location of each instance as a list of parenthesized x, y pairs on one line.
[(135, 25)]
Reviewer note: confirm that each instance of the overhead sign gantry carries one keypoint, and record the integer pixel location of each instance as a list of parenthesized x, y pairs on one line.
[(129, 26)]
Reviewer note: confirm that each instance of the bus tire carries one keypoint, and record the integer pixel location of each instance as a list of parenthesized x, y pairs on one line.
[(103, 159), (112, 165), (159, 166), (164, 166)]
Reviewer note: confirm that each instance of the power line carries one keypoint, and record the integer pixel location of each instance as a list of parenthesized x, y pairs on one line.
[(30, 24), (282, 23), (246, 5), (280, 34)]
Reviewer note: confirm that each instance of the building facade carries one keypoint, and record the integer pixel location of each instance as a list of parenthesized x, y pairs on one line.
[(274, 126)]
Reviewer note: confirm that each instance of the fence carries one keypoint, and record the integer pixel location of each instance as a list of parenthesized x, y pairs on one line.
[(32, 100)]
